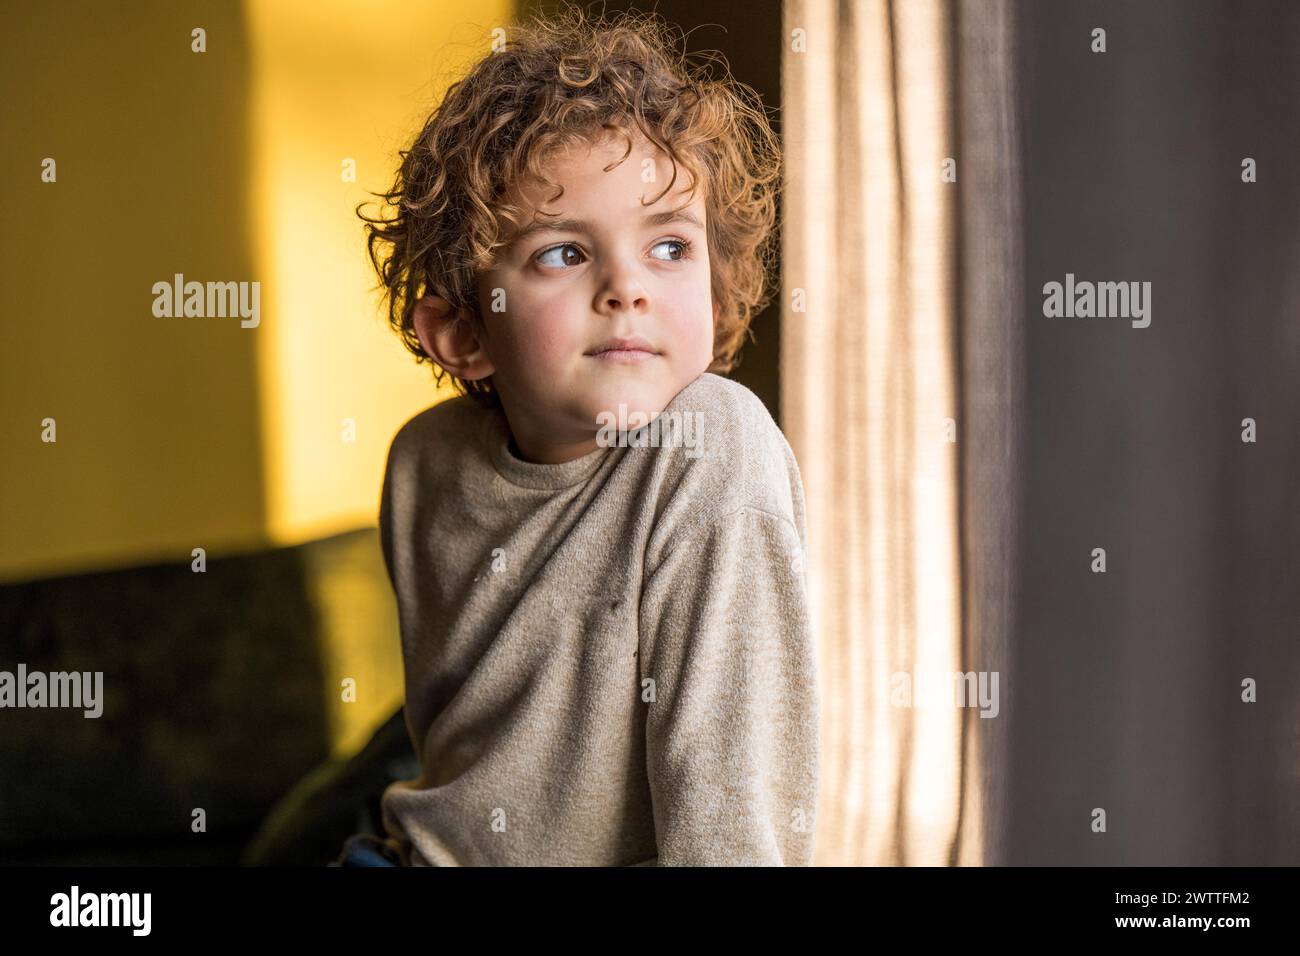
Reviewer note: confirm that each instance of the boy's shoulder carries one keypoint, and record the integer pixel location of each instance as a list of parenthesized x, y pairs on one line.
[(736, 428), (733, 456), (445, 426), (710, 390)]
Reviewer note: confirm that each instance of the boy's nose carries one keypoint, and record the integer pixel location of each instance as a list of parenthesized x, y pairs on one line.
[(622, 292)]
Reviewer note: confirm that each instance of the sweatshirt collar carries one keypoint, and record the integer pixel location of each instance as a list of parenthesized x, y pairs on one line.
[(528, 474)]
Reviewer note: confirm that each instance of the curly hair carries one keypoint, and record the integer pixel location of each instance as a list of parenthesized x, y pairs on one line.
[(554, 83)]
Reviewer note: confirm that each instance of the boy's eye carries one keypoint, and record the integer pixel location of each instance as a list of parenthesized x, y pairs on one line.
[(681, 243), (562, 261)]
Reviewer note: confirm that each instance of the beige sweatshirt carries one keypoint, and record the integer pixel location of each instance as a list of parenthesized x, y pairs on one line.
[(608, 661)]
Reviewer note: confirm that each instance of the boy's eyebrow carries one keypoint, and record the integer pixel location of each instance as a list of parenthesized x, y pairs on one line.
[(577, 225)]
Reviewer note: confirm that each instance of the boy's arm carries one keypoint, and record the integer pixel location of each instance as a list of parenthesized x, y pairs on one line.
[(732, 728), (390, 498), (385, 519)]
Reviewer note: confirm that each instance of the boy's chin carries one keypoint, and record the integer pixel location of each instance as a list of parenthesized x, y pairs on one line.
[(621, 403)]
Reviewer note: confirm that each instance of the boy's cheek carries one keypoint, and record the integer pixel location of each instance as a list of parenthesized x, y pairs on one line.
[(542, 346)]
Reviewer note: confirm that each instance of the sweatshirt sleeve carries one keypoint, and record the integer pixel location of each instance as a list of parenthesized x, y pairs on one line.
[(729, 683), (386, 518)]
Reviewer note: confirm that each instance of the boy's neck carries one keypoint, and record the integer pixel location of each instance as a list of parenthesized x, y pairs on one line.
[(554, 455)]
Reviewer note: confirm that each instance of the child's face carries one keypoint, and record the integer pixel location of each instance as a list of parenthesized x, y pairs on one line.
[(607, 274)]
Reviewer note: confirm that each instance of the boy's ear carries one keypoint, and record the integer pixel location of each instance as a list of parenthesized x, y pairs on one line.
[(449, 339)]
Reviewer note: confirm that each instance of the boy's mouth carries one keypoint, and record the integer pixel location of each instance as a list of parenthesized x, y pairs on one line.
[(624, 349)]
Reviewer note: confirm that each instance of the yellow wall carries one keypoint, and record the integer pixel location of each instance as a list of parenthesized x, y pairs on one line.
[(159, 437), (331, 84), (226, 165)]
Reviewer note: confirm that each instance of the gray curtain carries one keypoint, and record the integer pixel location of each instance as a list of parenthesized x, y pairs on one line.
[(1126, 690)]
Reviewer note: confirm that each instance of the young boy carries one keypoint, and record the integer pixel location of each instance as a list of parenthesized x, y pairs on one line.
[(597, 547)]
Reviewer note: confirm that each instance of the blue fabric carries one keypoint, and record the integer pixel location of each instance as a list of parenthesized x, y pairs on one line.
[(366, 849)]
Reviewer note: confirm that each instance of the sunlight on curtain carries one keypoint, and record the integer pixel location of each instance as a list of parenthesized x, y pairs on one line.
[(870, 407)]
